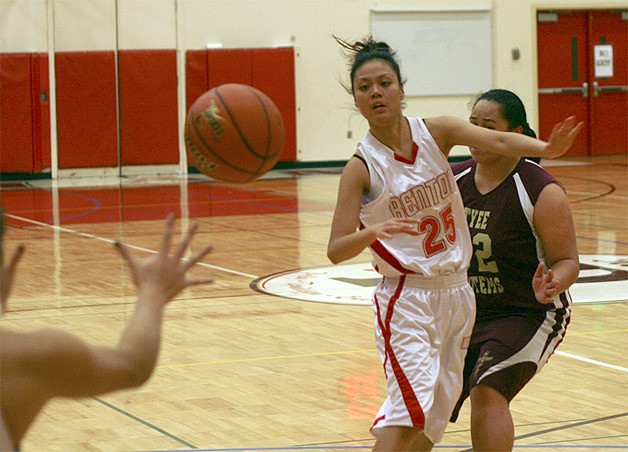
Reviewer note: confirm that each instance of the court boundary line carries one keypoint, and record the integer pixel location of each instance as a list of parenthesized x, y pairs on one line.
[(106, 240), (591, 361), (143, 422)]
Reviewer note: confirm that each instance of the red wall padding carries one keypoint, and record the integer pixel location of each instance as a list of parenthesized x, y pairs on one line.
[(87, 129), (24, 113), (148, 107), (195, 75), (273, 74), (229, 66), (87, 112), (40, 94), (270, 70), (16, 142)]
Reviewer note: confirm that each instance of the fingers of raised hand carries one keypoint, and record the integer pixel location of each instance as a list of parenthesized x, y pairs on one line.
[(7, 275), (570, 128), (123, 250), (167, 237), (563, 134), (576, 130), (15, 258), (197, 257), (183, 246)]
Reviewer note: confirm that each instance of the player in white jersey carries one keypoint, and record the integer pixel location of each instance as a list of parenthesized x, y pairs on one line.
[(429, 192), (398, 198)]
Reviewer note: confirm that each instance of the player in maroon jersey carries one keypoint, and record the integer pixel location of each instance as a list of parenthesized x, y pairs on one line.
[(525, 259)]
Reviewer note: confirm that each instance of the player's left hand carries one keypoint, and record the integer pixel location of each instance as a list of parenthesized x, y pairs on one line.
[(562, 137), (544, 285)]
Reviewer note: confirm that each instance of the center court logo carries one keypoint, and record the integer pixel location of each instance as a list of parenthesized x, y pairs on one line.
[(603, 278)]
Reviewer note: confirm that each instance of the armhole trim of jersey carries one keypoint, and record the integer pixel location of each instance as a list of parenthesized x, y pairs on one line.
[(358, 156)]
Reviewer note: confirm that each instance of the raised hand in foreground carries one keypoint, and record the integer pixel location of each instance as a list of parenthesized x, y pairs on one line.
[(37, 366)]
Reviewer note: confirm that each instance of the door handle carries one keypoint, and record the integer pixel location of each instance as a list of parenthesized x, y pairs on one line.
[(584, 90), (597, 89)]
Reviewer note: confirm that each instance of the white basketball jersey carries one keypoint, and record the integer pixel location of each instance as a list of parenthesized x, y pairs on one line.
[(424, 189)]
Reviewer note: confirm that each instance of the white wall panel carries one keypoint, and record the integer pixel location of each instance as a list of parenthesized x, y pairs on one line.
[(23, 26), (146, 24), (84, 25)]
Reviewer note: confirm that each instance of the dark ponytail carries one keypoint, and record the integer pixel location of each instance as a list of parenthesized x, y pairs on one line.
[(527, 130), (366, 50)]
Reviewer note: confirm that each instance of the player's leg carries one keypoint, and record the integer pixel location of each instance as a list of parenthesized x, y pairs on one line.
[(402, 438), (421, 443), (512, 352), (492, 427)]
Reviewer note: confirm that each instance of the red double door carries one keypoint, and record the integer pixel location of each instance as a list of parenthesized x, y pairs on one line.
[(583, 71)]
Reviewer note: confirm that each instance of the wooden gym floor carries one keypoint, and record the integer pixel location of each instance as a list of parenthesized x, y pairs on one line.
[(243, 369)]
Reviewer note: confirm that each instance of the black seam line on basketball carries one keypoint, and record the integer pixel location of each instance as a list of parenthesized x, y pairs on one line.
[(214, 153), (148, 424), (242, 137), (268, 131), (239, 131), (252, 174), (563, 427)]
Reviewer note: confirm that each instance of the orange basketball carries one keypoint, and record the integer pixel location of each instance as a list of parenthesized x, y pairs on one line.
[(234, 133)]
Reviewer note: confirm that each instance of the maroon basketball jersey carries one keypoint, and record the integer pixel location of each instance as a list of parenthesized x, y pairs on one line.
[(506, 247)]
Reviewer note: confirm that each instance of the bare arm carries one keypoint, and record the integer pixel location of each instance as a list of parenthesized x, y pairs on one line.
[(449, 131), (159, 279), (40, 365), (345, 241), (554, 223)]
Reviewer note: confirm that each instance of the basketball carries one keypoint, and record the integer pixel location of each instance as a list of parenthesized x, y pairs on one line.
[(234, 133)]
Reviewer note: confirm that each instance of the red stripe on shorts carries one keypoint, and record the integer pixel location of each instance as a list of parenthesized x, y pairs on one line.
[(409, 397), (382, 252)]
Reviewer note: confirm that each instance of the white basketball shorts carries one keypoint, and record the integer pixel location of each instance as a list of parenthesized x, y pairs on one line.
[(422, 330)]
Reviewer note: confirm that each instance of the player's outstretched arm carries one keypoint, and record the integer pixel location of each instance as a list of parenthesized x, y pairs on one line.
[(38, 366), (159, 279), (450, 131)]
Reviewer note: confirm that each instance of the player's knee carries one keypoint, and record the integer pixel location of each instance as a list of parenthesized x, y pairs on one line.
[(484, 395)]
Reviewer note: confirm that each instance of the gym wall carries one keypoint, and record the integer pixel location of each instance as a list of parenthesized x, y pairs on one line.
[(93, 84)]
